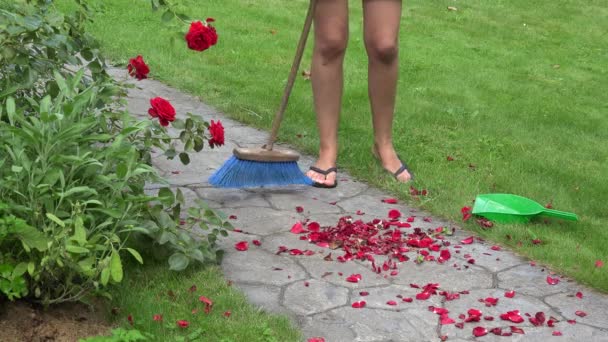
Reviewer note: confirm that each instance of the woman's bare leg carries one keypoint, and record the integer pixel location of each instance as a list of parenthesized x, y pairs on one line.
[(330, 41), (382, 20)]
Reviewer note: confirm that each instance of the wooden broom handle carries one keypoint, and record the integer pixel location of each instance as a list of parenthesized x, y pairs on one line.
[(292, 75)]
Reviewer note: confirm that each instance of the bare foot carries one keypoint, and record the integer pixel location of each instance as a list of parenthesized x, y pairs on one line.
[(328, 180), (390, 162)]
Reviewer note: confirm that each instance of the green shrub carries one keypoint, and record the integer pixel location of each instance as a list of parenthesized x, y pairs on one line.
[(73, 167)]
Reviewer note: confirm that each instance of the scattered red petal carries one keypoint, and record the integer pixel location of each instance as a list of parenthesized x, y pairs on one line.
[(183, 323), (208, 303), (363, 293), (192, 289), (580, 313), (423, 296), (299, 209), (353, 278), (297, 228), (496, 331), (257, 242), (571, 321), (466, 213), (480, 331), (241, 246), (552, 280), (556, 333), (516, 330), (512, 316), (307, 284), (394, 214), (227, 314), (467, 241), (232, 217), (459, 325), (359, 304), (408, 299), (333, 203), (157, 318), (490, 301), (130, 319), (510, 294), (579, 295), (450, 158), (313, 226), (359, 212), (391, 303), (316, 339), (599, 263), (175, 172), (445, 319), (536, 241), (390, 200), (495, 248)]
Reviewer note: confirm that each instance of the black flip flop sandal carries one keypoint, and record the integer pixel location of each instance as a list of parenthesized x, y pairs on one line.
[(325, 173), (401, 169)]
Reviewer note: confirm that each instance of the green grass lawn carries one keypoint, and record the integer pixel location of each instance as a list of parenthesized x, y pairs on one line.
[(154, 290), (514, 91)]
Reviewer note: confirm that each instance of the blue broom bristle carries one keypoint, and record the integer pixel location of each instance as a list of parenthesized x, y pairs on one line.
[(239, 173)]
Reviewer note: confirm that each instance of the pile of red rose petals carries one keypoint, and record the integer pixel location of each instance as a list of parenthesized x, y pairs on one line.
[(361, 240)]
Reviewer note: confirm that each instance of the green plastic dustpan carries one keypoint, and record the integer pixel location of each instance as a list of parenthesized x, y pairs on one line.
[(507, 208)]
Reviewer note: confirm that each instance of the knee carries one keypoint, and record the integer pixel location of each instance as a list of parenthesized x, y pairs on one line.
[(331, 47), (383, 50)]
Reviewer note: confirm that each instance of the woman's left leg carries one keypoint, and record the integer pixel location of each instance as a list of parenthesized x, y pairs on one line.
[(382, 19)]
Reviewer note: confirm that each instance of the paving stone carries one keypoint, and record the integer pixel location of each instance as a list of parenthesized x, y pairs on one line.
[(232, 198), (484, 256), (592, 303), (264, 296), (262, 221), (317, 268), (525, 304), (291, 241), (373, 324), (379, 296), (289, 202), (330, 330), (197, 172), (256, 267), (535, 283), (317, 297), (372, 206), (448, 277)]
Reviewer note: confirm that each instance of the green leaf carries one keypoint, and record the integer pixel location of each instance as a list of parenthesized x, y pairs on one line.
[(16, 168), (136, 255), (184, 158), (76, 249), (31, 267), (167, 16), (80, 234), (166, 197), (79, 189), (19, 270), (63, 86), (116, 267), (121, 170), (55, 219), (10, 109), (178, 262), (105, 276), (178, 124)]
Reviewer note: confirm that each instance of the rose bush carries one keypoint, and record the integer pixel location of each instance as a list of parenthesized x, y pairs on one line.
[(74, 168)]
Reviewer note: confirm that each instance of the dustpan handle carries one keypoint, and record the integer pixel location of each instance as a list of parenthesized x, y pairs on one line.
[(292, 75), (560, 214)]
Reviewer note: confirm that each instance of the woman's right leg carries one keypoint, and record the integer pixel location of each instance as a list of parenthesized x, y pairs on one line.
[(330, 40)]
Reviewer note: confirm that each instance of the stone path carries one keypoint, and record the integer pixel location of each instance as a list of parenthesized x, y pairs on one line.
[(311, 290)]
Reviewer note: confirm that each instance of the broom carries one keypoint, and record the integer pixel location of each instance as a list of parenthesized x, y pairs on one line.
[(264, 166)]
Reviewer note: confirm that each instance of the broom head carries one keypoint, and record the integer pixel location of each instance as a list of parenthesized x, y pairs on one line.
[(259, 167)]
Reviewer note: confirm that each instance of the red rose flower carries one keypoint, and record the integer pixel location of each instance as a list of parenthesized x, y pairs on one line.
[(138, 68), (201, 36), (162, 109), (217, 134)]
